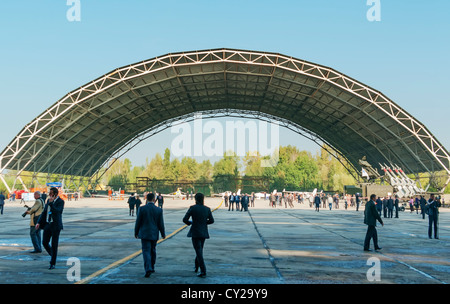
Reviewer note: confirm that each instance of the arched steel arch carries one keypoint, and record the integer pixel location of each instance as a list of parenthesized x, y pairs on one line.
[(78, 134)]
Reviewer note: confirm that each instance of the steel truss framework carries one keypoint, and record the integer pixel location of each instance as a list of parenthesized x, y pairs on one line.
[(89, 126)]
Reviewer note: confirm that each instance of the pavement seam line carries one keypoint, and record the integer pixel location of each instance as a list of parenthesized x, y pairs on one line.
[(380, 253), (131, 256), (271, 257)]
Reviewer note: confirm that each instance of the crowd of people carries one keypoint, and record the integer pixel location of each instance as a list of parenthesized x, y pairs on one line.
[(377, 206), (387, 207), (241, 202), (46, 216), (134, 202)]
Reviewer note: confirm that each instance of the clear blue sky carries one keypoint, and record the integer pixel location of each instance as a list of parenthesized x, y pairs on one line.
[(43, 55)]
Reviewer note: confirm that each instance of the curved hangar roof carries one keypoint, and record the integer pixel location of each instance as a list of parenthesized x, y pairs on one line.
[(83, 130)]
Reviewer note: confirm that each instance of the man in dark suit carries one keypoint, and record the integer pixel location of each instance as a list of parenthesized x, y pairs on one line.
[(160, 199), (131, 203), (379, 205), (244, 202), (390, 207), (357, 199), (317, 202), (385, 203), (423, 203), (433, 214), (51, 221), (201, 218), (396, 202), (237, 200), (371, 216), (2, 202), (149, 223), (231, 205)]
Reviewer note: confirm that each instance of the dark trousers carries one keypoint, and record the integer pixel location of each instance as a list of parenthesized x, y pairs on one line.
[(371, 234), (231, 205), (198, 244), (244, 207), (390, 212), (432, 221), (149, 254), (51, 233)]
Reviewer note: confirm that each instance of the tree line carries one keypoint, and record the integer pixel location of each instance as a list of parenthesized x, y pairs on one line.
[(294, 170)]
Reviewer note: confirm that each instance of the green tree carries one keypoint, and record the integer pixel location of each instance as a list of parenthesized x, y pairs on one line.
[(228, 165), (252, 164), (155, 168)]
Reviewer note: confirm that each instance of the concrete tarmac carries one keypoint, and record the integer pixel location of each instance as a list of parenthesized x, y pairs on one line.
[(263, 246)]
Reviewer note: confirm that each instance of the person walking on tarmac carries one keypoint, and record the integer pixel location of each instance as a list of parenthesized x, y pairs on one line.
[(34, 213), (371, 216), (131, 203), (149, 224), (51, 221), (201, 217)]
